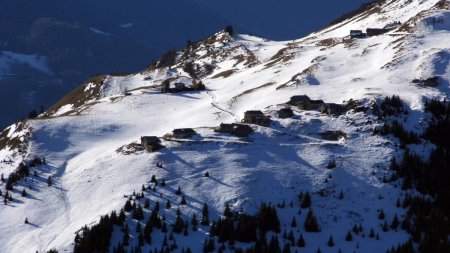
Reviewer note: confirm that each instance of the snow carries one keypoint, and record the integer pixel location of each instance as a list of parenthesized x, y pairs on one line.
[(127, 25), (36, 61), (64, 109), (97, 31), (274, 164)]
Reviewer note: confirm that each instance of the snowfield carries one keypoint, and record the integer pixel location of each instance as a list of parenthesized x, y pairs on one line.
[(273, 165)]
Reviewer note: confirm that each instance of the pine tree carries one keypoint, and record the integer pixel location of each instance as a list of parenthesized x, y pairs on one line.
[(168, 205), (311, 224), (395, 222), (163, 183), (330, 241), (372, 233), (227, 212), (178, 191), (183, 200), (143, 188), (286, 248), (24, 193), (306, 201), (341, 195), (294, 222), (205, 215), (26, 220), (385, 226), (207, 174), (349, 236), (301, 241), (381, 215), (194, 222), (49, 181)]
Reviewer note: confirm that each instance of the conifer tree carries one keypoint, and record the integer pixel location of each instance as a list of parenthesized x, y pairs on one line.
[(49, 181), (294, 222), (301, 241), (395, 222), (306, 201), (372, 233), (24, 193), (194, 222), (330, 241), (341, 195), (385, 226), (381, 215), (349, 236), (178, 191), (168, 205), (205, 215), (311, 224), (183, 200)]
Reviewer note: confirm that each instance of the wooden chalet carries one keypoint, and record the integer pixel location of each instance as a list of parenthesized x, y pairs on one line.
[(240, 130), (331, 109), (151, 143), (182, 133), (356, 34), (310, 104), (297, 99), (256, 117), (376, 31)]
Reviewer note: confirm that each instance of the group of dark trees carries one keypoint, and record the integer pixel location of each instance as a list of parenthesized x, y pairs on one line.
[(428, 215), (245, 228), (22, 171)]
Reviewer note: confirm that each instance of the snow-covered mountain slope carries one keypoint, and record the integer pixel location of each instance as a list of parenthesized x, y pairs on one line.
[(87, 137)]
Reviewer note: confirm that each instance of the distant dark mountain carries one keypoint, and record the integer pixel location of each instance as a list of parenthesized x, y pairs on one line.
[(77, 39)]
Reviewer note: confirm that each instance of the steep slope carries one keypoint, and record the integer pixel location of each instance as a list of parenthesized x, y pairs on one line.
[(88, 137)]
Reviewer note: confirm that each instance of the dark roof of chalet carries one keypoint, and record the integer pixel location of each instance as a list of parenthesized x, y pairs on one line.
[(254, 112), (317, 101), (355, 31), (183, 130), (298, 98), (377, 29), (151, 139)]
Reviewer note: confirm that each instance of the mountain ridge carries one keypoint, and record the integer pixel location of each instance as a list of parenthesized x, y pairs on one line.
[(80, 136)]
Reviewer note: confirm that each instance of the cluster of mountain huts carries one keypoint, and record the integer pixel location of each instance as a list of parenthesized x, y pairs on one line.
[(356, 34), (257, 117)]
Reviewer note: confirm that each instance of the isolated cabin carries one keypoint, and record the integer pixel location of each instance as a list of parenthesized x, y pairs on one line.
[(235, 129), (151, 143), (285, 113), (331, 109), (376, 31), (310, 104), (256, 117), (182, 133), (297, 99), (357, 34)]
